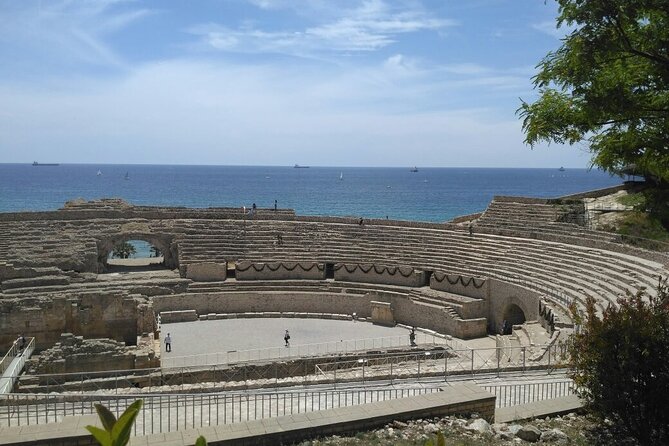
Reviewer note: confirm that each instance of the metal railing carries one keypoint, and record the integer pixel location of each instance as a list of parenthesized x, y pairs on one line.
[(445, 363), (167, 413), (13, 362), (435, 362), (524, 393), (303, 350)]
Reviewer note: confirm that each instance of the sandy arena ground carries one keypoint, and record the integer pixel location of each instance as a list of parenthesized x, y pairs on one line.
[(194, 338)]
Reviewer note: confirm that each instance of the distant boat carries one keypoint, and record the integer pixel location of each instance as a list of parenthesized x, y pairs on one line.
[(415, 169), (561, 169), (99, 173), (35, 163), (127, 176), (341, 176), (297, 166)]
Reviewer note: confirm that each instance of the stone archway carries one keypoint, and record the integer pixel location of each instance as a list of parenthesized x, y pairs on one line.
[(514, 315), (164, 242)]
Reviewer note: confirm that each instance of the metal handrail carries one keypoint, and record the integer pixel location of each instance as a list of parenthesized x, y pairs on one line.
[(302, 350)]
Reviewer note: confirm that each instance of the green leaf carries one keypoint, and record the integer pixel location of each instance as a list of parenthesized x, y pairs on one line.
[(201, 441), (122, 428), (441, 441), (102, 436), (106, 417)]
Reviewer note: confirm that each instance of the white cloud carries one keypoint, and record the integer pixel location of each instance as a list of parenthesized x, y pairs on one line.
[(197, 112), (369, 26), (550, 28), (62, 32)]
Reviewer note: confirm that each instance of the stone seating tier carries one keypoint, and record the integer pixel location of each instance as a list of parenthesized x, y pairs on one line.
[(570, 270)]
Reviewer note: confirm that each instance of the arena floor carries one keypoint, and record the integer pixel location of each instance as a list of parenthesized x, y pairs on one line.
[(218, 341), (225, 335)]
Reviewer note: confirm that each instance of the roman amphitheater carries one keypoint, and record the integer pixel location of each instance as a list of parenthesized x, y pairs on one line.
[(488, 295)]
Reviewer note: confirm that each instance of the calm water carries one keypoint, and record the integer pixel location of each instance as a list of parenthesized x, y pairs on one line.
[(432, 194)]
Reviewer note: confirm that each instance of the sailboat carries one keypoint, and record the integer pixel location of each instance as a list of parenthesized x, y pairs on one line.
[(99, 173), (341, 176), (415, 169), (127, 176)]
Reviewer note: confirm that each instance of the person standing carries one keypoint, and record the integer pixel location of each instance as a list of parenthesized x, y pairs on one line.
[(286, 338), (168, 343), (275, 203), (21, 343), (412, 337)]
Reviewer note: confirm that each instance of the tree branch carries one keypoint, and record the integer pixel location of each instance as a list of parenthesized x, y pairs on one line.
[(621, 31)]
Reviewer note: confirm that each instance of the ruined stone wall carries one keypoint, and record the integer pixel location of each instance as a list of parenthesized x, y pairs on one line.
[(92, 315), (249, 301), (245, 270), (410, 312), (405, 310), (458, 284), (387, 275), (503, 294)]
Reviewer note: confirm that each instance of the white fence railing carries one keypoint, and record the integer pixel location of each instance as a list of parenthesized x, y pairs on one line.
[(304, 350), (167, 413)]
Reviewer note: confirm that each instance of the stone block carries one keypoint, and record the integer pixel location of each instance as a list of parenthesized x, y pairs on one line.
[(382, 313), (168, 317), (206, 272)]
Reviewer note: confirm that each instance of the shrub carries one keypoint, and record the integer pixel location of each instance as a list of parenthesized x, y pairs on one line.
[(620, 363)]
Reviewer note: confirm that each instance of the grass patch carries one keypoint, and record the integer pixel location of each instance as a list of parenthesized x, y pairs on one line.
[(638, 200), (641, 224)]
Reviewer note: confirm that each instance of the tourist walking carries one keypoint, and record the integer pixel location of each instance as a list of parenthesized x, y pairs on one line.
[(286, 338), (168, 343), (275, 203), (471, 229), (412, 337), (21, 343)]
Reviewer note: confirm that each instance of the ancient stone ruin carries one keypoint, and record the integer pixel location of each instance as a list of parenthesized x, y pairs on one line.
[(520, 262)]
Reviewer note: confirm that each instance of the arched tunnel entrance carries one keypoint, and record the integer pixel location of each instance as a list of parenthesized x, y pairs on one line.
[(139, 250), (514, 315)]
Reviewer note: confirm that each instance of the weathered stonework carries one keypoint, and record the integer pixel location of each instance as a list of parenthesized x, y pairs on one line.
[(382, 313), (207, 271), (245, 270), (50, 264), (373, 273), (76, 354)]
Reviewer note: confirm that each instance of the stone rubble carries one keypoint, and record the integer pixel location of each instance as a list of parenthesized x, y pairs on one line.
[(475, 430)]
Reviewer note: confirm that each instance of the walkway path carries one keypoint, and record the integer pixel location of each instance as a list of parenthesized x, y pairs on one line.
[(12, 364)]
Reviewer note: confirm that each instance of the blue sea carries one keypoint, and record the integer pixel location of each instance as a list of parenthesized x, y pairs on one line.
[(431, 194)]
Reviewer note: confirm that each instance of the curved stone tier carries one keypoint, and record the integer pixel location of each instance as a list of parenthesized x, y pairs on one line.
[(51, 260)]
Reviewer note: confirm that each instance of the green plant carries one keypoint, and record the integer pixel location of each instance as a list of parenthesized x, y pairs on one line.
[(115, 432), (123, 250), (638, 200), (441, 441), (607, 85), (620, 362)]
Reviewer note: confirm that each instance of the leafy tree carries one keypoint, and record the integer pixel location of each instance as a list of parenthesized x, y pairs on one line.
[(620, 361), (123, 250), (155, 252), (608, 85)]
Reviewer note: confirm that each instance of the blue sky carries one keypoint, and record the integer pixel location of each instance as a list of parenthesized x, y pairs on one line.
[(273, 82)]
